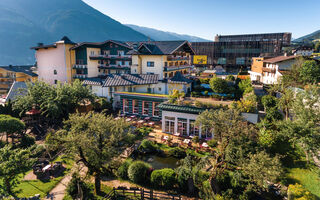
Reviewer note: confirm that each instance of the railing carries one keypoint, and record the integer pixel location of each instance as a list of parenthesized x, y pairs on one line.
[(113, 66), (80, 76), (111, 56), (171, 58), (139, 193), (172, 68), (76, 66), (271, 70)]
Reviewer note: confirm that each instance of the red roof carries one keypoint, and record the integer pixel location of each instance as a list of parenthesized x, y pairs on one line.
[(279, 59), (33, 112)]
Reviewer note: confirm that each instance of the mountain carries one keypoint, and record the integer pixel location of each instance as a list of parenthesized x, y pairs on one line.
[(24, 23), (308, 38), (165, 36)]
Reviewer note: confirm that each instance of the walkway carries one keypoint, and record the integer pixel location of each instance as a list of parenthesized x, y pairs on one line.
[(58, 192)]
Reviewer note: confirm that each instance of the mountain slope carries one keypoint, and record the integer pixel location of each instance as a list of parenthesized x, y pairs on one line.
[(164, 36), (25, 23), (309, 38)]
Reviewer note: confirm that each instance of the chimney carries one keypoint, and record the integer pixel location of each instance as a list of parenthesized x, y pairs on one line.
[(285, 54)]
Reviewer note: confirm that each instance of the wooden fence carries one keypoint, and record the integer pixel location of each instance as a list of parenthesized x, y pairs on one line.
[(139, 193)]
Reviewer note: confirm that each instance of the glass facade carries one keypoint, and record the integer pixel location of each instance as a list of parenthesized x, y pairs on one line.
[(182, 126), (169, 124)]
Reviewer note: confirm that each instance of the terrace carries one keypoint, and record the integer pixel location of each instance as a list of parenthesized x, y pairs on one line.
[(110, 57)]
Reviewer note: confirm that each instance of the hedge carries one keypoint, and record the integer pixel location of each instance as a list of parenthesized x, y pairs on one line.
[(138, 172)]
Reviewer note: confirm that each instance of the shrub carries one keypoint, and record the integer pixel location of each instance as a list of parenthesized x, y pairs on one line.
[(298, 192), (195, 139), (212, 143), (230, 78), (163, 178), (138, 172), (148, 146), (205, 93), (75, 183), (143, 131), (177, 152), (123, 170), (183, 175), (27, 141)]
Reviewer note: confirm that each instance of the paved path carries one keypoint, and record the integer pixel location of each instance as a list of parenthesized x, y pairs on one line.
[(58, 192)]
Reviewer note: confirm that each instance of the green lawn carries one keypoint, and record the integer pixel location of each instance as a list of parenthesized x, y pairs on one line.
[(306, 177), (32, 187)]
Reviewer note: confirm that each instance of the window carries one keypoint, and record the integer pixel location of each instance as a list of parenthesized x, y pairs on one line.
[(159, 89), (150, 64), (193, 130), (55, 72), (169, 124), (150, 73), (125, 106), (92, 53), (156, 111), (106, 53), (120, 53), (182, 126), (145, 108), (55, 81), (135, 106)]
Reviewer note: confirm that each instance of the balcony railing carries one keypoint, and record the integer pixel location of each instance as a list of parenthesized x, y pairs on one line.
[(173, 58), (80, 66), (113, 66), (80, 76), (271, 70), (111, 56), (173, 68)]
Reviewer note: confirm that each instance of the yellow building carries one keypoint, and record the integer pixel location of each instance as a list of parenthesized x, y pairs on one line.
[(10, 74)]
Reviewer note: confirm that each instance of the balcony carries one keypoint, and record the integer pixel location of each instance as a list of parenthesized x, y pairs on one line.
[(270, 70), (80, 76), (176, 58), (174, 68), (114, 67), (80, 66), (109, 57)]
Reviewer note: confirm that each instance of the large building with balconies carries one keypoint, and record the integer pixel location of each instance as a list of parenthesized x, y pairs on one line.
[(65, 60)]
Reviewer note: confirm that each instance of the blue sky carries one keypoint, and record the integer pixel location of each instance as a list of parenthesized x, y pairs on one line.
[(206, 18)]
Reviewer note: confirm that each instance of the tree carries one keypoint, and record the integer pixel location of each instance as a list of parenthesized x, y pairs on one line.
[(317, 47), (95, 140), (260, 168), (176, 96), (13, 162), (54, 102), (10, 125), (310, 72), (219, 85), (229, 127), (285, 102), (304, 130), (245, 86)]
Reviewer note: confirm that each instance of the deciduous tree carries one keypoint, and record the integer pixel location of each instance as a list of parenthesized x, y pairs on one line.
[(95, 140)]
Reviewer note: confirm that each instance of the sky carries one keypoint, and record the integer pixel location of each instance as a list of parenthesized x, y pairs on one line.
[(206, 18)]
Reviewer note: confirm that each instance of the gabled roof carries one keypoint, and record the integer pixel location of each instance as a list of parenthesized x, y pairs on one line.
[(113, 80), (279, 59), (26, 69), (100, 44), (17, 89), (93, 81), (163, 47), (179, 78), (130, 79)]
